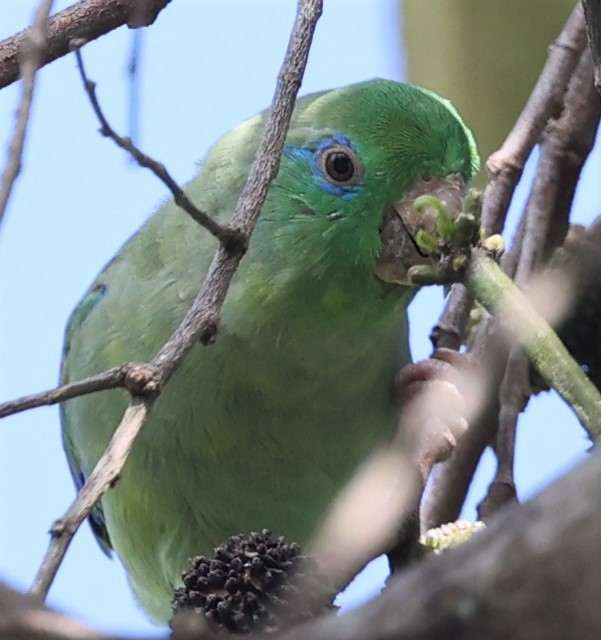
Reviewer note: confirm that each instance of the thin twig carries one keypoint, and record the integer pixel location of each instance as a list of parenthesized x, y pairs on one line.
[(223, 234), (545, 102), (449, 333), (86, 20), (133, 71), (514, 393), (33, 46), (200, 322), (137, 378), (103, 477)]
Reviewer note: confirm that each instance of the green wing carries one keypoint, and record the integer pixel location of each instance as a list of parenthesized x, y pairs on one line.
[(96, 518), (160, 267)]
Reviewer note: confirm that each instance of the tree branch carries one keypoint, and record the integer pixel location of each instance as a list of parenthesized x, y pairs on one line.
[(103, 477), (565, 145), (22, 618), (32, 49), (86, 20), (224, 235), (452, 478), (200, 323), (505, 166), (546, 101), (139, 379)]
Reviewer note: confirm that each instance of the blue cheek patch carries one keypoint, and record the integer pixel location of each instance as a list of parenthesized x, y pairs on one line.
[(310, 156), (344, 192)]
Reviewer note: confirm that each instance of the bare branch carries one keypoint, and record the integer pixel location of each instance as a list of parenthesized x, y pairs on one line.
[(514, 393), (31, 52), (565, 146), (103, 477), (200, 323), (449, 333), (224, 235), (137, 378), (86, 20), (566, 140), (545, 102), (506, 164)]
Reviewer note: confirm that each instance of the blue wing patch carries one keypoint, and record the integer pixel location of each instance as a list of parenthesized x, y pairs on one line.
[(81, 312), (96, 517)]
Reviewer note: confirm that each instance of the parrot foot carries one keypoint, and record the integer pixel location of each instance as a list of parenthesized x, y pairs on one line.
[(434, 393)]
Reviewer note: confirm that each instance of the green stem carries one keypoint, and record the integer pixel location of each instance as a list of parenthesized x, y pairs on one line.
[(500, 295)]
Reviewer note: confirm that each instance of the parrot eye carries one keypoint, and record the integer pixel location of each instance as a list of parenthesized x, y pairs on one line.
[(341, 165)]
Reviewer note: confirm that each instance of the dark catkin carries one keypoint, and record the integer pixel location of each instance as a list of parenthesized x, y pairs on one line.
[(254, 582)]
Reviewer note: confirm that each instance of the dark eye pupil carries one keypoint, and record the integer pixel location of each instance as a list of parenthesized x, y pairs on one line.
[(339, 166)]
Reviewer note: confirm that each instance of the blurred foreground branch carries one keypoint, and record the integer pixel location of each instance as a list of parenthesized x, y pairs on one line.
[(224, 235), (529, 575)]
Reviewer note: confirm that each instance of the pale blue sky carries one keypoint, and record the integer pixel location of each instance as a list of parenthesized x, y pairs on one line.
[(205, 67)]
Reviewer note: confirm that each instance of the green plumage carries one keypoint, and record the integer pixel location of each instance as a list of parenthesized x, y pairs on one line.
[(263, 428)]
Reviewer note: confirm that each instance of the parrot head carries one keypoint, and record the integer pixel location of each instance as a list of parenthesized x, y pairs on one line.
[(354, 158)]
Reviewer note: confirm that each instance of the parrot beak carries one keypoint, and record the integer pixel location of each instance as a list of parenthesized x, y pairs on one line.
[(401, 222)]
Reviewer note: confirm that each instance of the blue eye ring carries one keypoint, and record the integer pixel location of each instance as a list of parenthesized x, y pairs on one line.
[(340, 165)]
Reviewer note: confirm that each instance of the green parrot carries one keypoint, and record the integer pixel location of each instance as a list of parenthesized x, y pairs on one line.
[(263, 428)]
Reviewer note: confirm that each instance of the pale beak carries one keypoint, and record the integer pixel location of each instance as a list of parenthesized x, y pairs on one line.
[(401, 222)]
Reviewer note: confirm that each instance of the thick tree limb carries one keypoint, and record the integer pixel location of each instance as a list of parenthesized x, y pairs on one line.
[(530, 575), (21, 618)]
